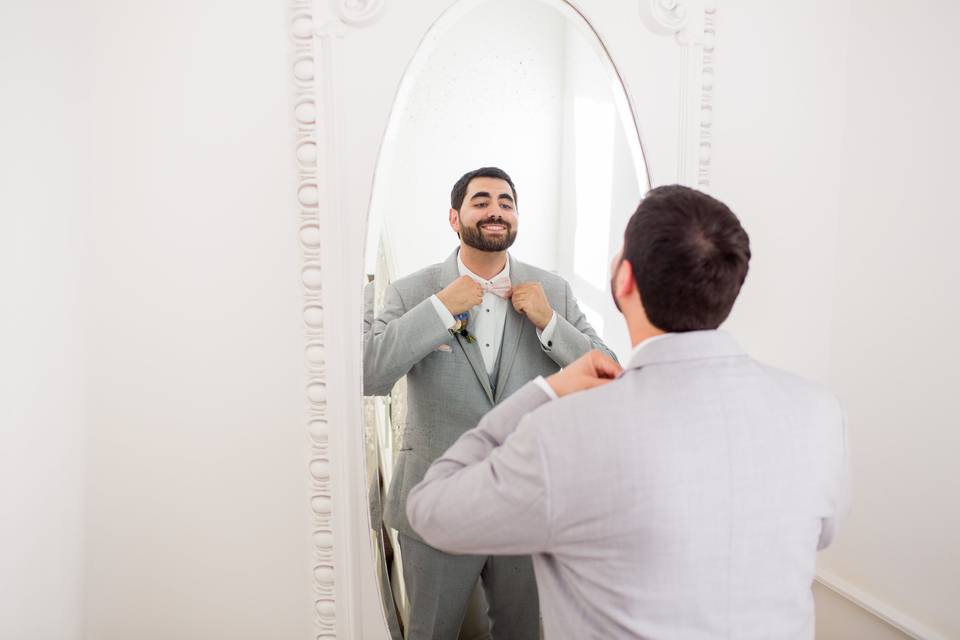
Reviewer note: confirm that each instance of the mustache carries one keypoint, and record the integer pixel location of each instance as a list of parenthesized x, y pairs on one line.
[(499, 221)]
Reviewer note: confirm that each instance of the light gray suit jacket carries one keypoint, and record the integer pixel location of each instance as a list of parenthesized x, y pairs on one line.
[(684, 500), (448, 389)]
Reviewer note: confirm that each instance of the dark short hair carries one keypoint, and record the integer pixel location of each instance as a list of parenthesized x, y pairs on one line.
[(459, 191), (689, 257)]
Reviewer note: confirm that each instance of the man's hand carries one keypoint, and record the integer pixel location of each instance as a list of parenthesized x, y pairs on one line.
[(461, 295), (530, 300), (590, 370)]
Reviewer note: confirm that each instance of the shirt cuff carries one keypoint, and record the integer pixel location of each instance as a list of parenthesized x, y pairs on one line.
[(547, 389), (445, 316), (546, 336)]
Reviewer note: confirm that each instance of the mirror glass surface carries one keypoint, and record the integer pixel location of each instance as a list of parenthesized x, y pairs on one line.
[(526, 86)]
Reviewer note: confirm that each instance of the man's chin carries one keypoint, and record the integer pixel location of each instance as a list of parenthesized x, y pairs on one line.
[(483, 243), (496, 248)]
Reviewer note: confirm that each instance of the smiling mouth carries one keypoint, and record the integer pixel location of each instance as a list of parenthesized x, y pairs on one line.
[(493, 226)]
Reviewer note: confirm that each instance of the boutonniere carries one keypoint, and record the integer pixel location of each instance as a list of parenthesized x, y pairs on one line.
[(460, 326)]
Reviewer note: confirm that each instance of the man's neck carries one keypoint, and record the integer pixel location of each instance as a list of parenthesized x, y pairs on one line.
[(485, 264), (640, 329), (640, 337)]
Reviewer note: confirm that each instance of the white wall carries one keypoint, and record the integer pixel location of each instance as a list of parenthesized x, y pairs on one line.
[(198, 503), (833, 142), (840, 619), (152, 440), (45, 53), (897, 308), (777, 144)]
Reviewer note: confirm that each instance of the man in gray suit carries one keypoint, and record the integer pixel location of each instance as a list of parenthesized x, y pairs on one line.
[(467, 333), (683, 497)]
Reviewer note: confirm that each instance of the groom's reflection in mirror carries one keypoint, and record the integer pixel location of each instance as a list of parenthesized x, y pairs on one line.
[(467, 333)]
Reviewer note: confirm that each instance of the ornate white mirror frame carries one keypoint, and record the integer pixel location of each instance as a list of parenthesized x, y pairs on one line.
[(344, 596)]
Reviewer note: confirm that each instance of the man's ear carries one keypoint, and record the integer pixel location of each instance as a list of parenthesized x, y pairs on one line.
[(455, 220), (626, 285)]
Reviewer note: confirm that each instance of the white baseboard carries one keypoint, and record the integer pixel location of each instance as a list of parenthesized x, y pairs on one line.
[(882, 610)]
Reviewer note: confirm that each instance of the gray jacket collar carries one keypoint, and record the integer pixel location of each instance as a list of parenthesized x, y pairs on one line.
[(449, 270), (691, 345)]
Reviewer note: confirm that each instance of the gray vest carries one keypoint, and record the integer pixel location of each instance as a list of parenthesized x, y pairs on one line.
[(494, 376)]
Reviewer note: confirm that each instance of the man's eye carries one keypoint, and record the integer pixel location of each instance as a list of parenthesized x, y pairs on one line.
[(481, 205), (506, 206)]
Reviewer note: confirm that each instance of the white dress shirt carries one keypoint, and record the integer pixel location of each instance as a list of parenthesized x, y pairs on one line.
[(487, 319)]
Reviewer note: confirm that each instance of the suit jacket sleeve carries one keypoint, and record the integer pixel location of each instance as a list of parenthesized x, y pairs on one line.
[(489, 493), (574, 336), (396, 340)]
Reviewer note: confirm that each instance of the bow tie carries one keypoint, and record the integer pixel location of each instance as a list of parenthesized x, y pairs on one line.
[(500, 286)]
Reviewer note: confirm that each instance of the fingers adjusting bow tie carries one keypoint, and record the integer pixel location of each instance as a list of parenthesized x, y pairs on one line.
[(499, 286)]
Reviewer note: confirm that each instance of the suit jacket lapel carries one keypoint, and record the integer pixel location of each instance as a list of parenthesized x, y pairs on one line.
[(512, 330), (476, 361), (449, 272)]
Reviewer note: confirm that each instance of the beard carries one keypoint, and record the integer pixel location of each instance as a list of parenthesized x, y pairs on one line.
[(476, 238)]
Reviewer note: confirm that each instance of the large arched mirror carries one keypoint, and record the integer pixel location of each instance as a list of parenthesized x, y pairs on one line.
[(526, 86)]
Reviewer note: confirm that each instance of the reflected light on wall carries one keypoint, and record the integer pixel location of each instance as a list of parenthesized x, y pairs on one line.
[(593, 131), (625, 114)]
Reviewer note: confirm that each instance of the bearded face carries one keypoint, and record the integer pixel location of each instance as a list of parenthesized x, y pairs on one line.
[(487, 217), (490, 234)]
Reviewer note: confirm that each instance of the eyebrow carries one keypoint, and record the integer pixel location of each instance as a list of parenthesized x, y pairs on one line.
[(486, 194)]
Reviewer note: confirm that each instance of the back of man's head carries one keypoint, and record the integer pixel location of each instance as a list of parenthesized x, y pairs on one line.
[(689, 257)]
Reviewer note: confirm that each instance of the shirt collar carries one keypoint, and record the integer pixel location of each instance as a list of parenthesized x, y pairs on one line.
[(685, 346), (646, 342), (464, 271)]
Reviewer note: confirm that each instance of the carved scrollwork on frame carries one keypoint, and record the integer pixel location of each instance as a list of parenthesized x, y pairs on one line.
[(693, 24), (358, 13), (665, 16), (313, 30), (706, 95), (305, 117)]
